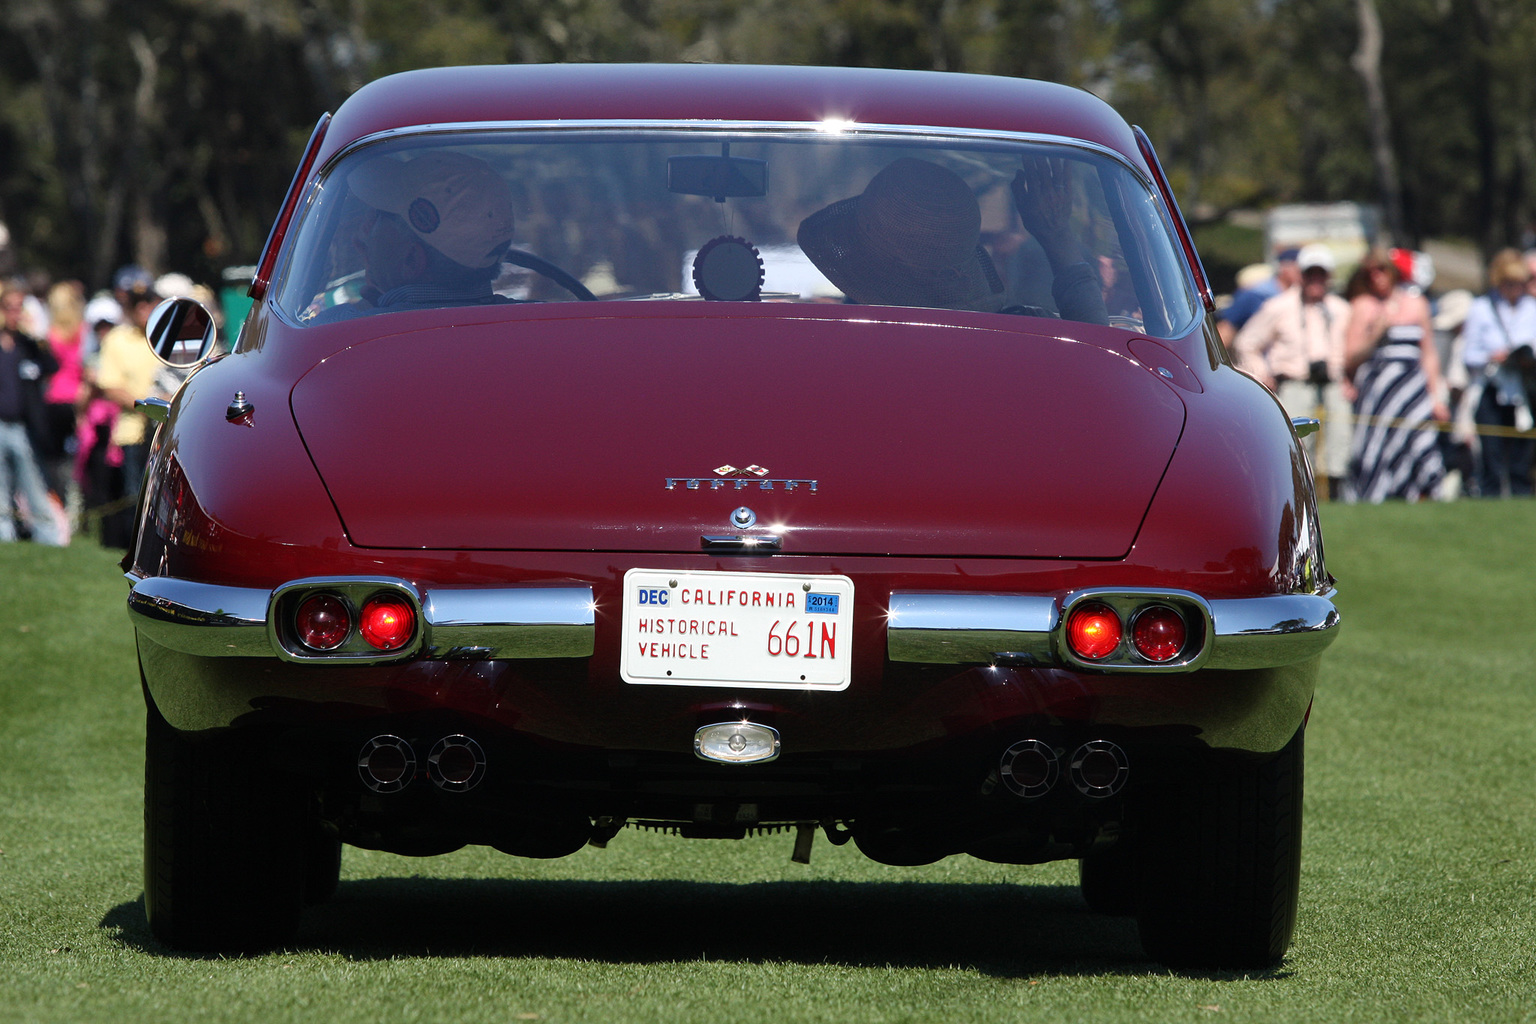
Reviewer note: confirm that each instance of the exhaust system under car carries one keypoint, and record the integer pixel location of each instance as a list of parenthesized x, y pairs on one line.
[(1032, 768), (388, 763)]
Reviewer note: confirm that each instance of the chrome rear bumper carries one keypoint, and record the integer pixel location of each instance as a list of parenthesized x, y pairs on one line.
[(1240, 633), (209, 620), (478, 623)]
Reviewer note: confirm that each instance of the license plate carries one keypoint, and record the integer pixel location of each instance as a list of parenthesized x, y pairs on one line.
[(744, 629)]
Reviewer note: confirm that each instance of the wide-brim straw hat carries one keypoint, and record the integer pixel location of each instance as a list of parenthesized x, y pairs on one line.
[(911, 238), (1452, 309)]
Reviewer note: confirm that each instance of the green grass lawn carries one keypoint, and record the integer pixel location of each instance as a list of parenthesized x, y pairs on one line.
[(1418, 880)]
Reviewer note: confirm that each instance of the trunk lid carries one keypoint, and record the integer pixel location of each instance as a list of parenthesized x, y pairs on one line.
[(644, 434)]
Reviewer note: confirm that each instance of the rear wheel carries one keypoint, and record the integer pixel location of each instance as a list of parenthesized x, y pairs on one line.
[(1220, 863), (224, 843), (322, 863)]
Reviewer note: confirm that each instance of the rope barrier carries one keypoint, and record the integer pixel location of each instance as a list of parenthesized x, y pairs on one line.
[(1444, 428), (88, 518)]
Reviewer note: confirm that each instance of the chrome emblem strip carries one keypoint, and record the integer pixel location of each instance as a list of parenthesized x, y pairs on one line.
[(736, 483)]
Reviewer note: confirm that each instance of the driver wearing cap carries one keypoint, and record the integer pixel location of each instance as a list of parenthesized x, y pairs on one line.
[(436, 233)]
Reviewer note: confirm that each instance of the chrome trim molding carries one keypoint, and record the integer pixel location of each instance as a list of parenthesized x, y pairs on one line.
[(1244, 633), (762, 544), (949, 629), (208, 620), (1267, 632), (824, 128), (201, 618), (514, 622)]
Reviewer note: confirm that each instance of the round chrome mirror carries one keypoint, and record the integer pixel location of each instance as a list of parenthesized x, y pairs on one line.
[(182, 333)]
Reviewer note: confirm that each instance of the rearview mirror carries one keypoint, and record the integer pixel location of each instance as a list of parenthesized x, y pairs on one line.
[(181, 333), (717, 176)]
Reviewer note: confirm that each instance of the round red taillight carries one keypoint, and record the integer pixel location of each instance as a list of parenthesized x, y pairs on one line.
[(388, 622), (1158, 633), (323, 622), (1093, 631)]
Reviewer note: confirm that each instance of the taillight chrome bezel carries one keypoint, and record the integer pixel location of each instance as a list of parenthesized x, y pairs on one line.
[(1199, 628), (354, 592)]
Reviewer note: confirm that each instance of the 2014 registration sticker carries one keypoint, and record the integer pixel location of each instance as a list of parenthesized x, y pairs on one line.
[(758, 629)]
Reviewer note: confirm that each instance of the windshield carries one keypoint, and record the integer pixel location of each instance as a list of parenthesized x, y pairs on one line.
[(504, 216)]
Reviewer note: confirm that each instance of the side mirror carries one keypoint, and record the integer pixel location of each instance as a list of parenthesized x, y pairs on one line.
[(182, 333)]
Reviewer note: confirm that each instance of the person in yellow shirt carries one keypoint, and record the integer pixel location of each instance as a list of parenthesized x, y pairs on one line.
[(126, 372)]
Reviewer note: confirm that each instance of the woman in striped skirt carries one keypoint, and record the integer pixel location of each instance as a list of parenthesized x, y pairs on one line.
[(1395, 450)]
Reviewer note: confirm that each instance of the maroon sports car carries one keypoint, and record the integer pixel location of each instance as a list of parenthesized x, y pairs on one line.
[(727, 450)]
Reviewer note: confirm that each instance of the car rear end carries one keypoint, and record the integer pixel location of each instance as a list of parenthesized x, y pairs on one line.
[(641, 539)]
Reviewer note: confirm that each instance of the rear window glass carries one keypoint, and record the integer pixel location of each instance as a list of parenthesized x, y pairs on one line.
[(997, 226)]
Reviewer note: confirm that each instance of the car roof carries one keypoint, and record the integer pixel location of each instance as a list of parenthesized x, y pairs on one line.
[(726, 92)]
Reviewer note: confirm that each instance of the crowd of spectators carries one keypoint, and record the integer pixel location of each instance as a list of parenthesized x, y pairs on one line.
[(1420, 395), (72, 446)]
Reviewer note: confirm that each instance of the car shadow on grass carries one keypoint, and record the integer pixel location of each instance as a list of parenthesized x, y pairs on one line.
[(999, 930)]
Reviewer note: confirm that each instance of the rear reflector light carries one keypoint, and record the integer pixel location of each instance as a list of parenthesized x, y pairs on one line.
[(387, 622), (1158, 633), (1093, 631), (323, 622)]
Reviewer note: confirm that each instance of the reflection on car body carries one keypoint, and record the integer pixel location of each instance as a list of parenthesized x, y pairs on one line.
[(728, 450)]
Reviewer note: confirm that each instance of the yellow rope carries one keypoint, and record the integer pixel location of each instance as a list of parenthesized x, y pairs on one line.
[(1400, 424)]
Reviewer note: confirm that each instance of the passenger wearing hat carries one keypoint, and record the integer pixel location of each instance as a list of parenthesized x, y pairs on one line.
[(1497, 343), (1294, 345), (438, 228), (913, 238)]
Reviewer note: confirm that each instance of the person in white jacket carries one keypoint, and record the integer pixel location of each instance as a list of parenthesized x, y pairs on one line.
[(1497, 337), (1295, 346)]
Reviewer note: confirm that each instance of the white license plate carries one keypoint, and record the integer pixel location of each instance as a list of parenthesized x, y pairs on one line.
[(746, 629)]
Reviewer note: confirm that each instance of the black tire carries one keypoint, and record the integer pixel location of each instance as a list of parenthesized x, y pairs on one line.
[(1108, 880), (322, 864), (224, 864), (1220, 863)]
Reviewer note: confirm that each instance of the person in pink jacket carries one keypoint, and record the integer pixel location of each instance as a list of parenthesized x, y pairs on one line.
[(66, 340)]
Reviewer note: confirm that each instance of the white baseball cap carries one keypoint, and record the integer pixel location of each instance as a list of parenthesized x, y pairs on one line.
[(103, 309), (453, 202), (1316, 255)]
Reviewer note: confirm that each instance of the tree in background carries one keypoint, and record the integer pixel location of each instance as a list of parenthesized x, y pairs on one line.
[(165, 132)]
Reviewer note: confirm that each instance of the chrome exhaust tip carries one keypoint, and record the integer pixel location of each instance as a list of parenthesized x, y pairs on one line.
[(456, 764), (386, 764), (1030, 768), (1099, 769)]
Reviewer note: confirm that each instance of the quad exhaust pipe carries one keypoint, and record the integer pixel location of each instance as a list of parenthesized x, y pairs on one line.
[(387, 764), (1032, 768)]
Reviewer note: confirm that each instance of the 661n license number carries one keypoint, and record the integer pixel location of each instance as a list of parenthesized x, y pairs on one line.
[(764, 630)]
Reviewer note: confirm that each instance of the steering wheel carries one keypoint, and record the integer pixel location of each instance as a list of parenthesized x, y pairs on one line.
[(544, 268)]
